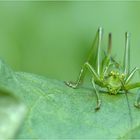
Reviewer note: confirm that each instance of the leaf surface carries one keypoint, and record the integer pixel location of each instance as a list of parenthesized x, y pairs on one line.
[(12, 111), (56, 111)]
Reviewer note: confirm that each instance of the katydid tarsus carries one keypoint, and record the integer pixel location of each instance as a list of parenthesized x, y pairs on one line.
[(106, 72)]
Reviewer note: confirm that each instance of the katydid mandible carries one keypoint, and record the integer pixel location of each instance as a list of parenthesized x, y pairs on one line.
[(106, 72)]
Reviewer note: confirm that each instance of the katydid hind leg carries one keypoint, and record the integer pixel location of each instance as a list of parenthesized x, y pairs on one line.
[(85, 67), (109, 49), (98, 50), (94, 52), (126, 61), (79, 80), (97, 96), (93, 56)]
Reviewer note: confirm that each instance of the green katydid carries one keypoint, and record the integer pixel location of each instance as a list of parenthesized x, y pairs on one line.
[(106, 72)]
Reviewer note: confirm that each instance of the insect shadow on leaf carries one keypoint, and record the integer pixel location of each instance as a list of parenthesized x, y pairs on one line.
[(107, 72)]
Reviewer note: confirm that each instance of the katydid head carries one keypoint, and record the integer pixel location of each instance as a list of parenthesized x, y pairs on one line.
[(114, 81)]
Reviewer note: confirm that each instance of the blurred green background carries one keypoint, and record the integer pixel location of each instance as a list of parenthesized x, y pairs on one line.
[(53, 38)]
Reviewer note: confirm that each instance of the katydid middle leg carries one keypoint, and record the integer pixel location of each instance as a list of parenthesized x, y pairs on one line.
[(97, 95)]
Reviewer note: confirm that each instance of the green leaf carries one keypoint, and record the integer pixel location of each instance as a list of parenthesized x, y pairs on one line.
[(11, 114), (12, 110), (58, 112)]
